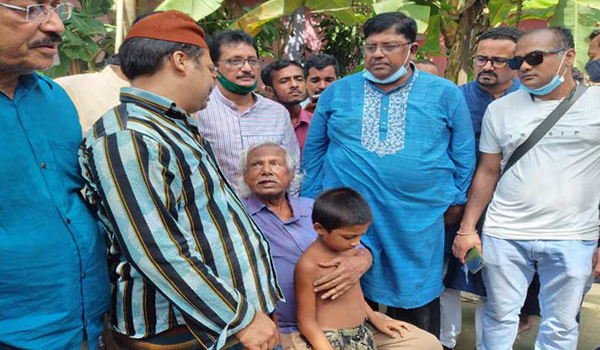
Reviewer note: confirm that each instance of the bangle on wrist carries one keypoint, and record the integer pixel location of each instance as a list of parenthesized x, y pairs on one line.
[(460, 233)]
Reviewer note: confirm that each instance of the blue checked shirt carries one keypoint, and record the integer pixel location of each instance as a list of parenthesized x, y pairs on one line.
[(184, 249)]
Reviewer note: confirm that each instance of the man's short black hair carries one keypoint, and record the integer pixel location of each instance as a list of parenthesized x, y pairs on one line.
[(404, 25), (321, 61), (594, 34), (227, 37), (563, 36), (341, 207), (144, 56), (267, 72), (501, 33)]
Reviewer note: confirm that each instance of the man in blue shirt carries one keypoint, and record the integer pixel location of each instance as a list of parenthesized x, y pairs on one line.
[(493, 79), (403, 138), (54, 285)]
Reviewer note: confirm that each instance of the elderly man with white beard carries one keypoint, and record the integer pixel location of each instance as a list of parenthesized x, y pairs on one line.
[(267, 176)]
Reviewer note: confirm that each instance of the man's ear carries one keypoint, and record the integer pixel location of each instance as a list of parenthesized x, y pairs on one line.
[(414, 48), (570, 57), (179, 61), (269, 92), (319, 228)]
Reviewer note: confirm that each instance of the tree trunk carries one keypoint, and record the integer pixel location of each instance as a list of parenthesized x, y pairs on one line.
[(461, 44)]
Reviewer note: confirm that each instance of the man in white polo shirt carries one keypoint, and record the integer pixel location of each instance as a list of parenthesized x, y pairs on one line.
[(543, 214)]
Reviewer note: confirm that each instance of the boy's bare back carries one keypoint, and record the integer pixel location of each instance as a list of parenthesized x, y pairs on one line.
[(347, 311)]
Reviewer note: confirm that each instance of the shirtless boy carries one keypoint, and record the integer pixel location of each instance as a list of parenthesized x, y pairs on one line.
[(340, 216)]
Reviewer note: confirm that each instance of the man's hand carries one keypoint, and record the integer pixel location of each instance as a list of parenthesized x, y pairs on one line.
[(463, 243), (389, 326), (596, 263), (347, 273), (260, 334), (453, 215)]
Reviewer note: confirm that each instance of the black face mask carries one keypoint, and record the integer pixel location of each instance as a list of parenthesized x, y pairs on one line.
[(593, 70)]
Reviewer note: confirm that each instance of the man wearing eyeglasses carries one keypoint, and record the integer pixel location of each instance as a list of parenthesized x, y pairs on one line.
[(236, 117), (404, 140), (492, 80), (54, 285), (543, 213)]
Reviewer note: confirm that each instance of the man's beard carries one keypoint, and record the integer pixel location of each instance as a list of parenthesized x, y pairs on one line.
[(487, 82)]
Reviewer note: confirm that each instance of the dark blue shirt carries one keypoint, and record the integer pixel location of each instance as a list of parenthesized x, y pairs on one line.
[(53, 270), (478, 100)]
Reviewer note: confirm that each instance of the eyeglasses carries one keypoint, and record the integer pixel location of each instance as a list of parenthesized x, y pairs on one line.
[(386, 48), (497, 62), (253, 62), (533, 58), (42, 13)]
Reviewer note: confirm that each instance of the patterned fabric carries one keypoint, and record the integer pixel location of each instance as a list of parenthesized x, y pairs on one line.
[(412, 158), (230, 131), (371, 136), (53, 279), (184, 248), (358, 338)]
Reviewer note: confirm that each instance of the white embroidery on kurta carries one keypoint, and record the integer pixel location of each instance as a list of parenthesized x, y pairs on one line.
[(394, 141)]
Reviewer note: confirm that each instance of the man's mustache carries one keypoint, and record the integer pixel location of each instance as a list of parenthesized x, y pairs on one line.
[(51, 40), (488, 73), (251, 76)]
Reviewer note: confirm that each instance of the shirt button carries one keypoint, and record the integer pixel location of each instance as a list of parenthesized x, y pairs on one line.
[(68, 221), (83, 275), (43, 165)]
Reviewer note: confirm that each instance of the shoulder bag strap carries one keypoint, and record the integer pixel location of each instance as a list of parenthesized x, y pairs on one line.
[(537, 134), (541, 130)]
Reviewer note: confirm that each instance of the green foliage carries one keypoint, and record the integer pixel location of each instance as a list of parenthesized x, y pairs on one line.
[(581, 19), (87, 42), (198, 9), (342, 41)]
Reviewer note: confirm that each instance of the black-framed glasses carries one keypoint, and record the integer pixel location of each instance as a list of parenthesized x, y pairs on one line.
[(253, 62), (41, 12), (533, 58), (497, 62), (386, 48)]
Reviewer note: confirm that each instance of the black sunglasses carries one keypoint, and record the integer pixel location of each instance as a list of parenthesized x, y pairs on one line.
[(533, 58)]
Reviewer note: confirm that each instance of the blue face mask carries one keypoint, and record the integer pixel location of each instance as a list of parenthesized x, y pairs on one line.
[(548, 88), (392, 78), (593, 70)]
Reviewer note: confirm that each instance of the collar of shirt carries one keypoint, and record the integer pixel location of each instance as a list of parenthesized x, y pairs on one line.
[(255, 205), (152, 102), (216, 93), (26, 83), (304, 118)]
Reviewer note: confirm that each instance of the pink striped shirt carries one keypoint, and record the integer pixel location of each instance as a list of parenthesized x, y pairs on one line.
[(230, 131)]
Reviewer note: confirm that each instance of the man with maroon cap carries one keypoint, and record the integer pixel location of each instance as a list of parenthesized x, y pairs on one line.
[(191, 268)]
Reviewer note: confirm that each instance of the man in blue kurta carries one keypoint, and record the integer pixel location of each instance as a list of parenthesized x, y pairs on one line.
[(54, 285), (404, 139)]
